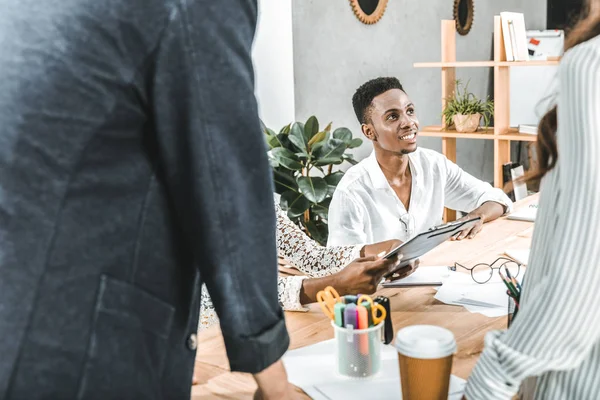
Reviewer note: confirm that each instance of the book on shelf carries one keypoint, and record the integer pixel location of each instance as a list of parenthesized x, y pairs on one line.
[(528, 129), (515, 36)]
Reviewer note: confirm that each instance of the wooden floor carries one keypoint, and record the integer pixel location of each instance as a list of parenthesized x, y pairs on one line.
[(409, 307)]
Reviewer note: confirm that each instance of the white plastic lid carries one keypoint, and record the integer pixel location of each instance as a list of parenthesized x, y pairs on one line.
[(425, 341)]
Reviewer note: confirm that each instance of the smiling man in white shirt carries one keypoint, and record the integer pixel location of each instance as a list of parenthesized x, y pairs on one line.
[(401, 190)]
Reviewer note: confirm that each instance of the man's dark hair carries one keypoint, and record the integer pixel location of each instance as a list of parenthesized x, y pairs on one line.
[(364, 95)]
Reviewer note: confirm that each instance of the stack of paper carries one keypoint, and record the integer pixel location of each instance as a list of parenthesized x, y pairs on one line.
[(489, 299), (528, 129), (525, 214), (312, 369)]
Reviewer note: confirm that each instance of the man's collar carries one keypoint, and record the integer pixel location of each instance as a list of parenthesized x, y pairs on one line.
[(376, 174)]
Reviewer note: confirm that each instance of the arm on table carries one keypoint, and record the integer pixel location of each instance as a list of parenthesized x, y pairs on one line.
[(464, 192)]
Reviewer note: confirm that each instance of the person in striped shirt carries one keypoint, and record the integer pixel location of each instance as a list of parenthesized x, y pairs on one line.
[(556, 335)]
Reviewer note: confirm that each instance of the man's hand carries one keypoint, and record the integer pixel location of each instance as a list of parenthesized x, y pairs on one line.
[(488, 211), (404, 271), (469, 233), (273, 384), (363, 275)]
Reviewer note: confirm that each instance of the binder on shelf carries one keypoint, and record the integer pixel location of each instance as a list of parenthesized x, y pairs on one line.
[(507, 177), (528, 129), (515, 36), (507, 40), (519, 188)]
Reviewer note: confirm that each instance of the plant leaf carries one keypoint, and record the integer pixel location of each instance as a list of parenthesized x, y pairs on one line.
[(286, 129), (354, 143), (350, 159), (318, 231), (317, 138), (297, 137), (333, 180), (343, 134), (327, 128), (313, 188), (330, 152), (322, 209), (284, 180), (273, 141), (311, 127), (286, 158), (294, 203)]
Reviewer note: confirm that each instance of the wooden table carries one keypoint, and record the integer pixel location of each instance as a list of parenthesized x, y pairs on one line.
[(409, 307)]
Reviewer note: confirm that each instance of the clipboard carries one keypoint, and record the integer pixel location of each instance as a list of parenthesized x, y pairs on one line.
[(427, 241)]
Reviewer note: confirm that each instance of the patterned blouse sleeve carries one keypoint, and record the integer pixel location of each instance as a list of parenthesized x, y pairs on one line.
[(305, 254)]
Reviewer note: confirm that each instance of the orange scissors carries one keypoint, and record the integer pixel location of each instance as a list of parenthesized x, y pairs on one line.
[(327, 298), (374, 308)]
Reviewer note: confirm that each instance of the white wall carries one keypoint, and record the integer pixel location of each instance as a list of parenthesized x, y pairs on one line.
[(335, 53), (273, 58)]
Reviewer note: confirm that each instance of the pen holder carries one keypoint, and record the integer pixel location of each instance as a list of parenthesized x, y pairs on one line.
[(358, 351), (512, 311)]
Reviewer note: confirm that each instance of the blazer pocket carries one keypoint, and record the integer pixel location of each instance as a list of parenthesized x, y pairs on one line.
[(128, 343)]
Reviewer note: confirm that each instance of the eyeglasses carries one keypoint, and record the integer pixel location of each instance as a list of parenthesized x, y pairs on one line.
[(482, 272)]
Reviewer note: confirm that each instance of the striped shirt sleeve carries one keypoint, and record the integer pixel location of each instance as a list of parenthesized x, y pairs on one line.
[(559, 323)]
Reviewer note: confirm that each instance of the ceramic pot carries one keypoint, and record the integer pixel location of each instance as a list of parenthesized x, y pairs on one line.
[(466, 123)]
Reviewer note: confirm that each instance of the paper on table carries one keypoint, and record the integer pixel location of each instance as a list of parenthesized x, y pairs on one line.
[(385, 389), (423, 276), (489, 299), (525, 214), (519, 255), (312, 368)]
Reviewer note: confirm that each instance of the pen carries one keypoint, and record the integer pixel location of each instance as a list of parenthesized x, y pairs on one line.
[(349, 352), (350, 299), (363, 323), (350, 316), (510, 287), (513, 280), (338, 311), (366, 305), (515, 300)]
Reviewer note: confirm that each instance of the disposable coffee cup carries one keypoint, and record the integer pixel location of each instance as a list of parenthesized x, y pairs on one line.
[(425, 359)]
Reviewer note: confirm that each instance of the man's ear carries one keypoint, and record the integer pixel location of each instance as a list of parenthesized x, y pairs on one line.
[(369, 132)]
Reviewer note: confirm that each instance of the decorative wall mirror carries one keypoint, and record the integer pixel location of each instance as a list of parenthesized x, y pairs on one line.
[(464, 13), (368, 11)]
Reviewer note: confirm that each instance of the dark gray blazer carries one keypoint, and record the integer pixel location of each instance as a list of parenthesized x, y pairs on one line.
[(132, 168)]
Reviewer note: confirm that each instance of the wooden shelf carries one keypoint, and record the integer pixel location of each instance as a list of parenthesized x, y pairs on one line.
[(511, 134), (474, 64), (438, 131), (501, 134)]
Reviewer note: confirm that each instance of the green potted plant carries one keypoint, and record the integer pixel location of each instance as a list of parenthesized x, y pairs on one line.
[(464, 111), (302, 158)]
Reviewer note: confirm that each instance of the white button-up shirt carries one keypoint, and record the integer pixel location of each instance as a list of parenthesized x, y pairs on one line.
[(365, 208)]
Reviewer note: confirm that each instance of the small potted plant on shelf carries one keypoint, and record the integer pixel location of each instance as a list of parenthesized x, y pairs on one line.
[(302, 157), (464, 111)]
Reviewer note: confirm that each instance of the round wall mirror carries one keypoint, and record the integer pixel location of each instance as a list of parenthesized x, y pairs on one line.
[(368, 11), (463, 15)]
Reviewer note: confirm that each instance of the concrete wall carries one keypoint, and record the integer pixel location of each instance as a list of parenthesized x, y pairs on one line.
[(272, 55), (334, 53)]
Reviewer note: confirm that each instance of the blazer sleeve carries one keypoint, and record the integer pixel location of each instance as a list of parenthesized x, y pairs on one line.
[(214, 161)]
